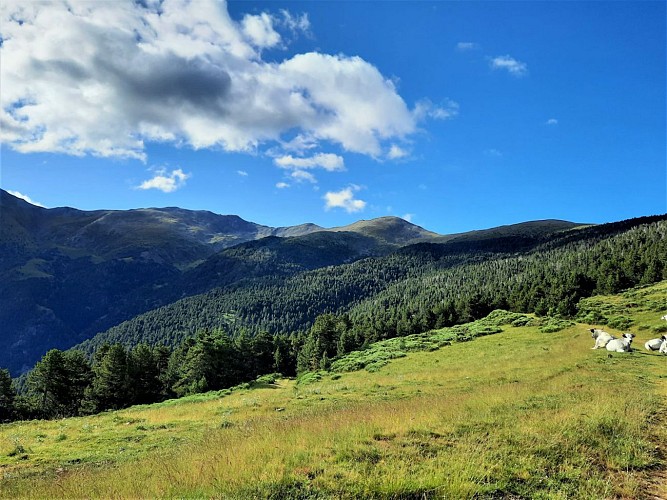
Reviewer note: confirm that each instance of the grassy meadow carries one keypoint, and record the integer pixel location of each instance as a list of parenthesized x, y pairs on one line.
[(524, 412)]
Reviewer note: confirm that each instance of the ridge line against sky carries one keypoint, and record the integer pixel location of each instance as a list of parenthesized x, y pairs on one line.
[(453, 115)]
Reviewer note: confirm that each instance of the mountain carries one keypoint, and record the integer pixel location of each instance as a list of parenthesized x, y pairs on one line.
[(390, 231), (66, 274), (164, 235)]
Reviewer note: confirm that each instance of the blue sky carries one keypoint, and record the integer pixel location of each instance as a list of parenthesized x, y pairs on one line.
[(454, 115)]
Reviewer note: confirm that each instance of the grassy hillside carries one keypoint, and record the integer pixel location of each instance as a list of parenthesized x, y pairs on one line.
[(520, 413)]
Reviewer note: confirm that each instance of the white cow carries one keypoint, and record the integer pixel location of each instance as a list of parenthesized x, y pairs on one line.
[(601, 338), (655, 344), (622, 344), (664, 317), (663, 348)]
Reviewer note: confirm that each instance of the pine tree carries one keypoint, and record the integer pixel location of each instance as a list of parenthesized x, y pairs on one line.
[(143, 375), (49, 385), (7, 396), (110, 386)]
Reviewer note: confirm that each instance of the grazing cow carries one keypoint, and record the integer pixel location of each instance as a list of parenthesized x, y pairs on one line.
[(622, 344), (655, 344), (601, 338)]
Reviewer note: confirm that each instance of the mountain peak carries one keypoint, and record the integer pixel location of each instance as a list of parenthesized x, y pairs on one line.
[(390, 230)]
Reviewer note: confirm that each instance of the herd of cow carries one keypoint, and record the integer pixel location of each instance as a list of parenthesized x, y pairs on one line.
[(613, 344)]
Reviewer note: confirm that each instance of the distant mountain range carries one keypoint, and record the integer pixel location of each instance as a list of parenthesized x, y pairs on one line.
[(67, 274)]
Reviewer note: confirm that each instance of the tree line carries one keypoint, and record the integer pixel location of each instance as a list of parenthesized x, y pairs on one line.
[(67, 383)]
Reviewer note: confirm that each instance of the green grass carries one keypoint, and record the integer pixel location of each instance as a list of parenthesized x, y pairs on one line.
[(454, 413)]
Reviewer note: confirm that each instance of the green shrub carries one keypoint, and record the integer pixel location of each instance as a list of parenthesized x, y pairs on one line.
[(553, 325), (522, 321), (270, 378), (500, 317), (309, 377), (619, 322)]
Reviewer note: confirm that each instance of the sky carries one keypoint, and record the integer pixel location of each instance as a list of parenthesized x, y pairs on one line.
[(453, 115)]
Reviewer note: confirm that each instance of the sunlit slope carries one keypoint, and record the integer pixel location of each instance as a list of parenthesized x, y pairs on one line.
[(516, 413)]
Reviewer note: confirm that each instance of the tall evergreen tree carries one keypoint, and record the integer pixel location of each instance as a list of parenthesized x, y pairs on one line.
[(7, 396), (110, 386), (143, 376), (49, 385)]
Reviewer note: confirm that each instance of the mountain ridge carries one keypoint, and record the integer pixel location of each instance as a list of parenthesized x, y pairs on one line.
[(67, 274)]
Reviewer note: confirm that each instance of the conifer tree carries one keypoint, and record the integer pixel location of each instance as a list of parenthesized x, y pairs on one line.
[(110, 386), (7, 396)]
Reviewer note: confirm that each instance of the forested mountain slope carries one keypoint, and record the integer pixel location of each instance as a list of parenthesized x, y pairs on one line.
[(66, 274), (422, 286)]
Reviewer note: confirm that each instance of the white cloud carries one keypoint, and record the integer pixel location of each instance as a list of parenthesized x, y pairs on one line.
[(396, 152), (165, 181), (103, 78), (302, 175), (259, 30), (295, 23), (493, 152), (328, 161), (282, 185), (509, 64), (242, 173), (552, 121), (25, 197), (344, 199), (464, 46), (426, 109), (408, 217)]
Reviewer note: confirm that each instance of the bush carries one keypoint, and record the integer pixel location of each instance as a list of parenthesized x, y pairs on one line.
[(500, 317), (309, 377), (553, 325), (619, 322), (270, 378)]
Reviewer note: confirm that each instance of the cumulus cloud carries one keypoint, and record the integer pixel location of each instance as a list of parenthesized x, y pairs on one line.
[(25, 197), (104, 78), (299, 165), (259, 30), (344, 199), (552, 121), (167, 182), (509, 64)]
